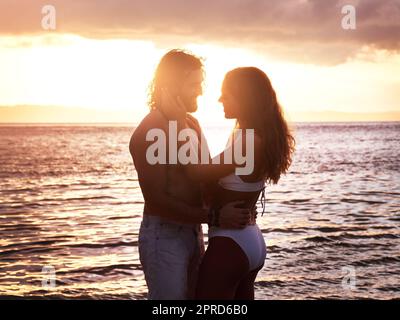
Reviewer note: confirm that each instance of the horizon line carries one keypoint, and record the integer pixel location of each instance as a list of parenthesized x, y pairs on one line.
[(37, 114), (213, 124), (119, 109)]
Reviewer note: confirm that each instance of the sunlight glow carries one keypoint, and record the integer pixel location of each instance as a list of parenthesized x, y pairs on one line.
[(114, 75)]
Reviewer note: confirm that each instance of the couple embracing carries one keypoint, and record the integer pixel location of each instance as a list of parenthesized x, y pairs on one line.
[(181, 195)]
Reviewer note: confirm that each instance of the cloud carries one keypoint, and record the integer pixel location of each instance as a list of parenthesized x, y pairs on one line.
[(298, 30)]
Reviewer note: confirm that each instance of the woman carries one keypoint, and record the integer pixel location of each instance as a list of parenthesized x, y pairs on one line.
[(234, 257)]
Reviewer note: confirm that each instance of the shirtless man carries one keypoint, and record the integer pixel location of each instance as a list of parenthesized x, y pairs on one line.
[(170, 236)]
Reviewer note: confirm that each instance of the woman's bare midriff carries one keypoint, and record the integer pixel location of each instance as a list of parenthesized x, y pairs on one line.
[(221, 196)]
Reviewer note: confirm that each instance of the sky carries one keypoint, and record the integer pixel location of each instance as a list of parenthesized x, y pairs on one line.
[(102, 54)]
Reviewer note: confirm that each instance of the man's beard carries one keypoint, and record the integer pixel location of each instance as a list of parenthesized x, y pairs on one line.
[(190, 104)]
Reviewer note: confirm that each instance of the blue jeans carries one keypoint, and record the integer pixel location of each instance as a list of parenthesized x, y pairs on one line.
[(170, 254)]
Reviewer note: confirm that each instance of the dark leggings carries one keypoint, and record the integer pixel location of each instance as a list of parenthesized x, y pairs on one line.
[(224, 272)]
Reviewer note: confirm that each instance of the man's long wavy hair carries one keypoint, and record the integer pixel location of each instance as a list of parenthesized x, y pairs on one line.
[(172, 70), (261, 110)]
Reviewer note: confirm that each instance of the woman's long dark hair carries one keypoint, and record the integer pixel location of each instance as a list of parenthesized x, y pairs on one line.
[(260, 110)]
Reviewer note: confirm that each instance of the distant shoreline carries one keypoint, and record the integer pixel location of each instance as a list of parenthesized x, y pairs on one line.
[(132, 125), (67, 124), (56, 115)]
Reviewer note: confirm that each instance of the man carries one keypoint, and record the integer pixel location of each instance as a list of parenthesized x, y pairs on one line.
[(170, 236)]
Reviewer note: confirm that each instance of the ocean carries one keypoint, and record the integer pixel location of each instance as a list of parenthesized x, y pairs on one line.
[(70, 203)]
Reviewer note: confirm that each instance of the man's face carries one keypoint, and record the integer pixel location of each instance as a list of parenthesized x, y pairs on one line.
[(191, 89)]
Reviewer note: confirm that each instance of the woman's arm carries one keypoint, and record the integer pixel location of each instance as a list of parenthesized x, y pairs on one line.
[(225, 163)]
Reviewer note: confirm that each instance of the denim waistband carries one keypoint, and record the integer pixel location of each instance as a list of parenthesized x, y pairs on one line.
[(152, 219)]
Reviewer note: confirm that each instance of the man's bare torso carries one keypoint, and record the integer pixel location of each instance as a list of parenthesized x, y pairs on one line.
[(177, 184)]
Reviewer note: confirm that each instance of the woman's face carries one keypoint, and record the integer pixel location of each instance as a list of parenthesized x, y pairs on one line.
[(230, 103)]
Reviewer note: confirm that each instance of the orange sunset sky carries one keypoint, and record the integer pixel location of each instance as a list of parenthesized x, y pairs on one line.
[(98, 62)]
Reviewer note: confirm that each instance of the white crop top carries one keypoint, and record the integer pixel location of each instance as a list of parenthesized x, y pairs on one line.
[(235, 183)]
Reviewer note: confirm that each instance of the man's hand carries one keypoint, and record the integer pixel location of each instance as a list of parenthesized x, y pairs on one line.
[(254, 213), (231, 217)]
